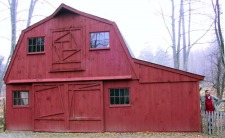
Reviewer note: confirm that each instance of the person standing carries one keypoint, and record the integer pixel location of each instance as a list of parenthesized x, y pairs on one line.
[(208, 102)]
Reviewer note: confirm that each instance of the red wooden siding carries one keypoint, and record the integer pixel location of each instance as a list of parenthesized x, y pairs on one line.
[(150, 72), (72, 54), (20, 117), (154, 107)]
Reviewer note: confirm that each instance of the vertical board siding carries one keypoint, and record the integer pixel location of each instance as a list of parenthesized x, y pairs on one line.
[(150, 74), (18, 118), (154, 107), (83, 62)]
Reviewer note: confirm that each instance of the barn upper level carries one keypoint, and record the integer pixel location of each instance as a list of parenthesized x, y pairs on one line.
[(71, 45)]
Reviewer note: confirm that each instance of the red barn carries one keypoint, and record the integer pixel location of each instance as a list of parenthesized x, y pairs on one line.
[(73, 72)]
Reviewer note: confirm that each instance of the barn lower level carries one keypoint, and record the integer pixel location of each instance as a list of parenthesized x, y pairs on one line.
[(99, 106)]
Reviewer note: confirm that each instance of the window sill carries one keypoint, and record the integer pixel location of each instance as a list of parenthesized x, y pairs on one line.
[(35, 53), (22, 106), (94, 49), (119, 106)]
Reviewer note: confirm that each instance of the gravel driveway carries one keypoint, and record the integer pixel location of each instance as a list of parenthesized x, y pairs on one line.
[(28, 134)]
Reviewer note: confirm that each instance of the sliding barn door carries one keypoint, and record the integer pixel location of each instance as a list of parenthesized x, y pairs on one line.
[(69, 107), (85, 107), (49, 113)]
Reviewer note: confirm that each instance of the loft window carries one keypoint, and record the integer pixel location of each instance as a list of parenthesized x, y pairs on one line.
[(99, 40), (36, 44), (20, 98), (119, 96)]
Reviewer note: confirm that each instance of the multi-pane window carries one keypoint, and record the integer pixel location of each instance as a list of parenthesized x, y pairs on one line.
[(119, 96), (20, 98), (36, 44), (99, 40)]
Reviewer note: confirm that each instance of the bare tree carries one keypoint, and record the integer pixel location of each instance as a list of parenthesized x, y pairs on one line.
[(13, 14), (219, 64), (180, 31), (13, 5), (218, 29), (216, 74)]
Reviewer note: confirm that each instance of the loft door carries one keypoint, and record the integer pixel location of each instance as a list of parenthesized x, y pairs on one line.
[(67, 50)]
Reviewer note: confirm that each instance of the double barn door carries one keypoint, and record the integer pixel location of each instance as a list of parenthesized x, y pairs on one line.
[(70, 107)]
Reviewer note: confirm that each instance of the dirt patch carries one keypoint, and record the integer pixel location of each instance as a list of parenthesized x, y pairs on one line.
[(28, 134)]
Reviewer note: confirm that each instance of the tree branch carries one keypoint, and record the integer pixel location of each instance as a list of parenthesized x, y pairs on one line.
[(4, 4), (202, 35)]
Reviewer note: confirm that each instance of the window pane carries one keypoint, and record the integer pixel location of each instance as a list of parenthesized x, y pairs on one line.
[(34, 49), (127, 100), (121, 92), (116, 92), (15, 102), (21, 102), (93, 36), (24, 94), (92, 44), (112, 92), (30, 42), (126, 92), (112, 100), (106, 43), (107, 35), (42, 48), (38, 48), (117, 100), (15, 95), (42, 41), (34, 41), (101, 36), (25, 101), (121, 100), (30, 49)]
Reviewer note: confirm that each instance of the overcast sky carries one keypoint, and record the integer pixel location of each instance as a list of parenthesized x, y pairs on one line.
[(137, 19)]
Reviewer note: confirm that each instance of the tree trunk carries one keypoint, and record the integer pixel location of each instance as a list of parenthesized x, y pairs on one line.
[(31, 10), (183, 34), (175, 55), (220, 81), (189, 37), (219, 32), (13, 15)]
